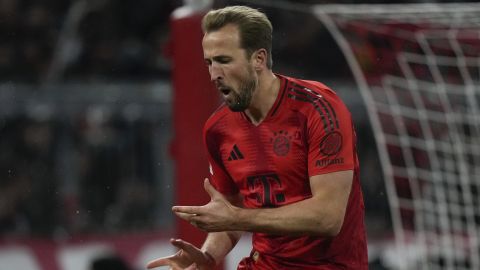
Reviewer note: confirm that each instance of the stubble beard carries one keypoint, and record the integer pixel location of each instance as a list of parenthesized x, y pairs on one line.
[(241, 100)]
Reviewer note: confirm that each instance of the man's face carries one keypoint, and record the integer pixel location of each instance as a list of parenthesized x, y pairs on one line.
[(229, 68)]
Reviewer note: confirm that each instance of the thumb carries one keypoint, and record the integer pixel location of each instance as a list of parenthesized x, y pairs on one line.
[(211, 189), (158, 262)]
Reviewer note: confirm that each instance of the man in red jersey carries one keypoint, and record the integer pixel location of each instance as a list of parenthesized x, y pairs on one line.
[(282, 159)]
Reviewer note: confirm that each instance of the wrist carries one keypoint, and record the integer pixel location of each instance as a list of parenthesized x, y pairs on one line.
[(209, 258), (241, 219)]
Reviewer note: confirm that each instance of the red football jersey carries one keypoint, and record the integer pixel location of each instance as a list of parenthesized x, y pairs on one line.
[(308, 131)]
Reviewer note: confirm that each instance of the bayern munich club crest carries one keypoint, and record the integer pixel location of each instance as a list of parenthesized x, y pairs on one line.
[(331, 143), (281, 143)]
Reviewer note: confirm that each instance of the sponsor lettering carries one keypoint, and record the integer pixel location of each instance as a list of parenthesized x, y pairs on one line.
[(327, 162)]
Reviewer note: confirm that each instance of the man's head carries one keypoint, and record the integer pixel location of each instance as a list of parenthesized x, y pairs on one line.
[(254, 27), (236, 47)]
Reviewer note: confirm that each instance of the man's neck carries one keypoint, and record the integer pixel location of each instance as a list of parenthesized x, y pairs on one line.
[(264, 97)]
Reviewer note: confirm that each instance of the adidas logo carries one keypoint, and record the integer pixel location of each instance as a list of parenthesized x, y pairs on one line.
[(235, 154)]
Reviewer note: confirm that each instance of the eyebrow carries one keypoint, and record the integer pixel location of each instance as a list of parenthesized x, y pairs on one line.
[(219, 58)]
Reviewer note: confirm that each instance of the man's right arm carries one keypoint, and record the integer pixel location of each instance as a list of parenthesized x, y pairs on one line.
[(215, 247), (219, 244)]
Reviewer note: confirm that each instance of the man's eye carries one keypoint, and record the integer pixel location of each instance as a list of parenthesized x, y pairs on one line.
[(224, 60)]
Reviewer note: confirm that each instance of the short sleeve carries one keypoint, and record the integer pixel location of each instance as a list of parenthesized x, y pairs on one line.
[(330, 136), (219, 177)]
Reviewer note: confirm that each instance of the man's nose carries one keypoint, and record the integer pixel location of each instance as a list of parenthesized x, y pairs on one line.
[(215, 72)]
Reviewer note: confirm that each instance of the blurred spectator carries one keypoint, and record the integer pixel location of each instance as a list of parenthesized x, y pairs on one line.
[(29, 34), (124, 39), (28, 180), (116, 176)]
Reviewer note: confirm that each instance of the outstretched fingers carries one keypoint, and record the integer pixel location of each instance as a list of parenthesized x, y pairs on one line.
[(188, 248), (160, 262), (186, 255)]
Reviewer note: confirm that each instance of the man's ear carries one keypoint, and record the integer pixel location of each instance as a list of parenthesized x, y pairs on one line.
[(260, 59)]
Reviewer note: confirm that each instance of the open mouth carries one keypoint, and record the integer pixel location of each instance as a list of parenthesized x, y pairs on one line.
[(225, 91)]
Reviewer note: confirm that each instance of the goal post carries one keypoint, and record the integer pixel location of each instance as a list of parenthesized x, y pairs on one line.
[(417, 67)]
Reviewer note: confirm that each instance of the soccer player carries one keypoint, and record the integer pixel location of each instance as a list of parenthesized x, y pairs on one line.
[(283, 161)]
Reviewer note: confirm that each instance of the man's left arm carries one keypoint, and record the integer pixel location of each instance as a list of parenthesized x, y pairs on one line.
[(322, 214)]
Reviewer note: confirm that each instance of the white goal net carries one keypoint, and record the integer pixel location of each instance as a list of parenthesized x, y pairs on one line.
[(418, 69)]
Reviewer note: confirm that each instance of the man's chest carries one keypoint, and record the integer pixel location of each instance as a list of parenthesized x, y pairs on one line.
[(268, 163), (248, 151)]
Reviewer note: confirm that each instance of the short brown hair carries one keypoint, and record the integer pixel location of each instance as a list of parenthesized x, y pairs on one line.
[(254, 27)]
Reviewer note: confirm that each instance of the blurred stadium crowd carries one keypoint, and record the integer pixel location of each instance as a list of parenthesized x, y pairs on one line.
[(111, 39), (110, 176)]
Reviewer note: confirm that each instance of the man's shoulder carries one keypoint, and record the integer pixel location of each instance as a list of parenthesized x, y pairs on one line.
[(314, 99), (309, 84), (309, 91), (217, 116)]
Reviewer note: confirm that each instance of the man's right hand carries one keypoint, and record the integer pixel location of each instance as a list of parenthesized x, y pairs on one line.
[(188, 257)]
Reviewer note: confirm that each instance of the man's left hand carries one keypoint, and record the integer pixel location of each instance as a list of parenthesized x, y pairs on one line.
[(217, 215)]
